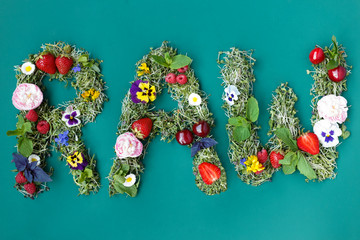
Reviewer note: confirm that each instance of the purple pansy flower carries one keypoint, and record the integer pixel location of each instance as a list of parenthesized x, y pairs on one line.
[(32, 171), (142, 92), (77, 68), (70, 117), (77, 161), (63, 138)]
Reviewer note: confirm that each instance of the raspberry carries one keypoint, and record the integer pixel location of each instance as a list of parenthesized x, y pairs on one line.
[(20, 178), (181, 79), (170, 78), (32, 116), (43, 127), (183, 69), (30, 188), (262, 156)]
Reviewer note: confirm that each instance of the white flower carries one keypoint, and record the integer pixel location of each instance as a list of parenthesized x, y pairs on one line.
[(333, 108), (34, 158), (129, 180), (27, 96), (70, 117), (328, 133), (28, 68), (231, 94), (194, 99)]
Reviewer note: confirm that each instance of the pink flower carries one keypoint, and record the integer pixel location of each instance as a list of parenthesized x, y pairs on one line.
[(333, 108), (27, 96), (127, 145)]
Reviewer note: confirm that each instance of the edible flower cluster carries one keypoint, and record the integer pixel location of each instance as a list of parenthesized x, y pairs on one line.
[(333, 111)]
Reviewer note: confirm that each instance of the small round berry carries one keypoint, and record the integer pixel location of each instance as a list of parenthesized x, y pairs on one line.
[(183, 69), (181, 79), (43, 127), (170, 78)]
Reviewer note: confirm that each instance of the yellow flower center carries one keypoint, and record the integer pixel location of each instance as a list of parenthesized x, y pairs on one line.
[(71, 117), (28, 68), (194, 99), (128, 179), (33, 160)]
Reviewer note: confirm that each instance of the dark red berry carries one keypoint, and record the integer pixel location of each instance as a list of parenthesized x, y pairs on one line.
[(317, 56), (20, 178), (337, 74), (184, 137), (30, 188), (201, 129), (32, 116)]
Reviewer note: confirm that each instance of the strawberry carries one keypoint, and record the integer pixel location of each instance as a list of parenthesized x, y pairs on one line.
[(20, 178), (183, 69), (32, 116), (181, 79), (46, 63), (262, 156), (142, 127), (308, 142), (43, 127), (63, 64), (170, 78), (209, 172), (275, 157), (30, 188)]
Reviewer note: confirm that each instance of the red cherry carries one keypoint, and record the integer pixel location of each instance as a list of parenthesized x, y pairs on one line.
[(184, 137), (317, 56), (170, 78), (183, 69), (337, 74), (201, 129)]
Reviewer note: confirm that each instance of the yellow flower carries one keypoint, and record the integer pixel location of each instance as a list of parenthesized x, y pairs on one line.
[(90, 93), (144, 69), (147, 93), (253, 164)]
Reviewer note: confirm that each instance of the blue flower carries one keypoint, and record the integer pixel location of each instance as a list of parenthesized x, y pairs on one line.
[(63, 139), (77, 68), (242, 162)]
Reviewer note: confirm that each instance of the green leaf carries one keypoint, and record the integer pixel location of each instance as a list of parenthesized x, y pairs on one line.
[(252, 109), (83, 58), (241, 133), (159, 60), (125, 168), (96, 68), (89, 173), (168, 59), (288, 158), (131, 191), (290, 169), (238, 121), (332, 64), (119, 178), (27, 127), (180, 61), (285, 135), (305, 168), (346, 134), (25, 146), (14, 132), (20, 122), (119, 187)]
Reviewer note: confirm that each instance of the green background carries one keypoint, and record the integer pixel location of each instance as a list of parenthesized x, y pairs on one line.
[(169, 206)]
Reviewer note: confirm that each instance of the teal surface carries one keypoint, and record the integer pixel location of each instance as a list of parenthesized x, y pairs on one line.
[(169, 206)]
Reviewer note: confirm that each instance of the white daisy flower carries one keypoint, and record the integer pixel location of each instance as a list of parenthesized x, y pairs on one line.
[(129, 180), (231, 94), (34, 158), (328, 133), (194, 99), (28, 68)]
